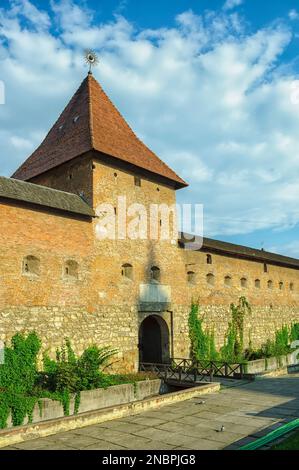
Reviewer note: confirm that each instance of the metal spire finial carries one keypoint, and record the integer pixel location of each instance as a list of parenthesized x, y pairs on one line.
[(91, 59)]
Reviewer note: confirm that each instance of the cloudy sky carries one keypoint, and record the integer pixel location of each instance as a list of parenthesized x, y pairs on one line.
[(211, 86)]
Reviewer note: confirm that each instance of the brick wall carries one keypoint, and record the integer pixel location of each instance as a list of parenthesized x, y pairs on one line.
[(101, 306)]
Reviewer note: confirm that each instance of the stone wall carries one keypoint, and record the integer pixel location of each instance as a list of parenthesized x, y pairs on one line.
[(118, 327), (97, 399), (101, 306)]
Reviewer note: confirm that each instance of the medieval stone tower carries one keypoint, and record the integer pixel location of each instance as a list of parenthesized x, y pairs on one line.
[(92, 152), (59, 278)]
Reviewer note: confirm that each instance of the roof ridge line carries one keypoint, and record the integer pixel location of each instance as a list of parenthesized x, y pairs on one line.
[(131, 129), (101, 128), (89, 76), (206, 240), (17, 190)]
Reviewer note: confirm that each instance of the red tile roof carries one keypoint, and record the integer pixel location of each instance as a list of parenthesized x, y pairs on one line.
[(91, 122)]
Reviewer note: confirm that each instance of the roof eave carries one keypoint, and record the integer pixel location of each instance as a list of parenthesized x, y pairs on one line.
[(176, 183), (63, 210), (256, 255)]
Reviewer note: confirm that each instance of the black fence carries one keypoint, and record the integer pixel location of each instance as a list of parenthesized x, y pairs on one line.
[(186, 370)]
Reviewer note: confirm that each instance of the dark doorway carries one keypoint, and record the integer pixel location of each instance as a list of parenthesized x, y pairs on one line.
[(154, 340)]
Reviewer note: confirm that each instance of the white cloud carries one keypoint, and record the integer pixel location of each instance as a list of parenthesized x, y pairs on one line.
[(207, 95), (293, 15), (69, 15), (292, 249), (26, 9), (230, 4)]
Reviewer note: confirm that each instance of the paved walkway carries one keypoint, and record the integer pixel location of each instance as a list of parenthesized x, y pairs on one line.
[(246, 411)]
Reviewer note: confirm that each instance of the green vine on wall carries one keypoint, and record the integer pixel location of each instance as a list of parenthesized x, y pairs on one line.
[(18, 376), (202, 342), (22, 386), (233, 349)]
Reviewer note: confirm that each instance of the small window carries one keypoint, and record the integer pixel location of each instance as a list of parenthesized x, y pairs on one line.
[(155, 274), (281, 285), (228, 281), (244, 282), (292, 287), (137, 181), (70, 176), (71, 269), (257, 283), (265, 268), (211, 279), (127, 271), (209, 259), (270, 284), (191, 277), (31, 266)]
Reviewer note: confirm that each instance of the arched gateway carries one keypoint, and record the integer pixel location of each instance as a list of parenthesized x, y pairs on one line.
[(154, 340)]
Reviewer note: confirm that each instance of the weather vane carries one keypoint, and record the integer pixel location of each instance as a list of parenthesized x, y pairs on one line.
[(91, 59)]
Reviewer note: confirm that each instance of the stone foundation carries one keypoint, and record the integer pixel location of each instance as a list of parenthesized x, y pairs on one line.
[(118, 327)]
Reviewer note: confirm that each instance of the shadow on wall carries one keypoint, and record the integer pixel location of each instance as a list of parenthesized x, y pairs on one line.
[(154, 316)]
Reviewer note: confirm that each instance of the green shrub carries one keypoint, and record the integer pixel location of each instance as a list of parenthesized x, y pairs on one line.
[(91, 365), (69, 374), (268, 349), (109, 380), (22, 385), (282, 342), (294, 334), (202, 343), (280, 346)]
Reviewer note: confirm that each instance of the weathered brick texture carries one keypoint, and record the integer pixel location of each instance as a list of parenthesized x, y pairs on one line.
[(101, 306)]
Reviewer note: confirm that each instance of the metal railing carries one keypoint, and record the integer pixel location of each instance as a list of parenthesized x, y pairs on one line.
[(186, 370)]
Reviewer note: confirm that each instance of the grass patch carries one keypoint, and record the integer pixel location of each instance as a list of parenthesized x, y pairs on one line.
[(291, 443), (108, 380)]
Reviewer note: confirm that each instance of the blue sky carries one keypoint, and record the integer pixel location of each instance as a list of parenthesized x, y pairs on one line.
[(147, 14), (211, 86)]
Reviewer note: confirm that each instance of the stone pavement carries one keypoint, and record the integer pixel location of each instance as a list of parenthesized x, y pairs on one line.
[(247, 411)]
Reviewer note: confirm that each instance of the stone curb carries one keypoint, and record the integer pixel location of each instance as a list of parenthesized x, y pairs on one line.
[(47, 428), (279, 372)]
